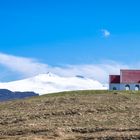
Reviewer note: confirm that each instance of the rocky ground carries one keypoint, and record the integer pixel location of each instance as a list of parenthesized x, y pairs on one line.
[(83, 115)]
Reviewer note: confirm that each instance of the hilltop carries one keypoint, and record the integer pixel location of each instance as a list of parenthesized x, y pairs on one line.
[(77, 115)]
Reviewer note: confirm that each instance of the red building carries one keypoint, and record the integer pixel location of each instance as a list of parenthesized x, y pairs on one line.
[(127, 80)]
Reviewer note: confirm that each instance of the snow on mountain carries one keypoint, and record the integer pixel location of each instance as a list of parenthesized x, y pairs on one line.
[(50, 83)]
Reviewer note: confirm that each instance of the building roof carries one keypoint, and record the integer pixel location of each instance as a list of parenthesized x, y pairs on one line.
[(130, 76)]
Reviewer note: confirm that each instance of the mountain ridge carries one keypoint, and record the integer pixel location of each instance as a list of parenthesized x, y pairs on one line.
[(50, 83), (6, 95)]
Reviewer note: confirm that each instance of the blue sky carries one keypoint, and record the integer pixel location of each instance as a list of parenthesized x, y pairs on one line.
[(71, 32)]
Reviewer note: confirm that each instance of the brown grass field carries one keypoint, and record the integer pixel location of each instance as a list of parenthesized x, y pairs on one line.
[(77, 115)]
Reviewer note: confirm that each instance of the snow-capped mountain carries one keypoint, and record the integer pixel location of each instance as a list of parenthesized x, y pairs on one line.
[(50, 83)]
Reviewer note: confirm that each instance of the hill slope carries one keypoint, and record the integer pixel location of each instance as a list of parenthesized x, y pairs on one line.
[(50, 83), (78, 115)]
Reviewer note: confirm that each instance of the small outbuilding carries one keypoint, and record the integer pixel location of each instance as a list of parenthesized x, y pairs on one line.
[(127, 80)]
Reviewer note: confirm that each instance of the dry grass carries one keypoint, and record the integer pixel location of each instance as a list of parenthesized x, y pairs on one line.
[(79, 115)]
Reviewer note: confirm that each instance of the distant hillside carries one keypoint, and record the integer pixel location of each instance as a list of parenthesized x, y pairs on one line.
[(6, 95), (78, 115)]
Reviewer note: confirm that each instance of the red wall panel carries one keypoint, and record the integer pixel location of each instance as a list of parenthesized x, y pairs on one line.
[(114, 78), (130, 76)]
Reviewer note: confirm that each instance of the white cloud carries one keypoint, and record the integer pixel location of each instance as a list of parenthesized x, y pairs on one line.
[(29, 67), (25, 66), (105, 33), (99, 72)]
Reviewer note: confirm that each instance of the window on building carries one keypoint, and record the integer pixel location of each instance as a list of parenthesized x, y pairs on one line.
[(114, 88), (127, 87), (137, 87)]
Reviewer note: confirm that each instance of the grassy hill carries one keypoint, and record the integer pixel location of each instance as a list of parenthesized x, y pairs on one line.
[(77, 115)]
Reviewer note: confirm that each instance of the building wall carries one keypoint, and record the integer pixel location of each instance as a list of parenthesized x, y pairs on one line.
[(111, 86), (130, 76), (114, 79), (134, 86)]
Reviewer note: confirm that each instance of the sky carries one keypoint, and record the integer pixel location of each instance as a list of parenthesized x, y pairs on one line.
[(73, 36)]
